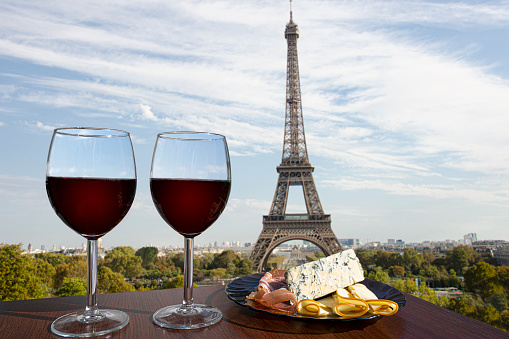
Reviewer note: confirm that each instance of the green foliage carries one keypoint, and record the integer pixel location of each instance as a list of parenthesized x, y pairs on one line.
[(120, 251), (54, 259), (111, 282), (462, 306), (218, 273), (366, 257), (398, 271), (499, 301), (177, 282), (148, 255), (72, 286), (76, 269), (503, 277), (246, 267), (503, 321), (412, 260), (127, 265), (461, 257), (275, 261), (387, 259), (483, 278), (457, 259), (178, 260), (405, 285), (225, 258), (379, 275), (45, 272), (18, 277)]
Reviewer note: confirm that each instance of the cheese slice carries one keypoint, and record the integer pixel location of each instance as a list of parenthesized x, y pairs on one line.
[(362, 292), (323, 276)]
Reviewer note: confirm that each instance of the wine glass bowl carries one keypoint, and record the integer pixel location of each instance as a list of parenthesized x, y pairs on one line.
[(91, 184), (190, 184)]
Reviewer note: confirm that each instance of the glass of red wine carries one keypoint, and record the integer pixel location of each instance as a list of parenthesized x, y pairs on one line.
[(91, 183), (190, 184)]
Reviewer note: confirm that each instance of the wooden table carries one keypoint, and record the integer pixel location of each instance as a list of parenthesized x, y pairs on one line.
[(418, 319)]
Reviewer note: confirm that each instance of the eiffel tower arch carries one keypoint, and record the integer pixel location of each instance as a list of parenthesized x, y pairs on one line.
[(294, 170)]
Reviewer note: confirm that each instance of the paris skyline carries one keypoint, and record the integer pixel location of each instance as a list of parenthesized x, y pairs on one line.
[(404, 104)]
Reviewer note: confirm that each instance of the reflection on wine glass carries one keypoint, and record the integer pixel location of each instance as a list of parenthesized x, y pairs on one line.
[(91, 183), (190, 184)]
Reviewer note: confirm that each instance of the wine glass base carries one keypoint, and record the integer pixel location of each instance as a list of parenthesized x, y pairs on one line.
[(185, 318), (78, 325)]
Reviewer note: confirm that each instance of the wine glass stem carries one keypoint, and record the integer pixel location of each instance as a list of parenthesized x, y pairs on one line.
[(91, 308), (188, 273)]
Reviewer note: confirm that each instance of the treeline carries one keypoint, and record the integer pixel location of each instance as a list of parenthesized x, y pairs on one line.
[(485, 285), (25, 276)]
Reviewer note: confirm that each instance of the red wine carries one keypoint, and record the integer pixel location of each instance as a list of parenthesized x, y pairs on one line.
[(91, 206), (189, 206)]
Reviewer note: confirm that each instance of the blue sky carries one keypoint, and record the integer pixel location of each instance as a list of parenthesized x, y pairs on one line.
[(405, 108)]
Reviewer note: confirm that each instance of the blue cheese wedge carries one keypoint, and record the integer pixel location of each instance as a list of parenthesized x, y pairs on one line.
[(323, 276)]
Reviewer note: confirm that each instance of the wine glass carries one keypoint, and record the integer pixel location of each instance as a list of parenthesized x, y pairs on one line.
[(190, 185), (91, 183)]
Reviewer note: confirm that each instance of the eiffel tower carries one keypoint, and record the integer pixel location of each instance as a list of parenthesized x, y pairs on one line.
[(295, 169)]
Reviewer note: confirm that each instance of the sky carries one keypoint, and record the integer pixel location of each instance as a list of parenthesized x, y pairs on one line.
[(405, 104)]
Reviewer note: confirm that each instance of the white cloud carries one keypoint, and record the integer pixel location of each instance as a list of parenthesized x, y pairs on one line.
[(479, 193), (39, 125), (146, 113)]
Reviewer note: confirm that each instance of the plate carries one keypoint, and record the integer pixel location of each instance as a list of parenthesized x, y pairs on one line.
[(238, 289)]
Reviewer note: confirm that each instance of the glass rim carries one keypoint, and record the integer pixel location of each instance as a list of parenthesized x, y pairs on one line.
[(175, 136), (62, 131)]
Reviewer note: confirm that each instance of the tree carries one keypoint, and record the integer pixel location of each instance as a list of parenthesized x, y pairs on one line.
[(382, 259), (366, 257), (462, 306), (412, 260), (428, 257), (429, 271), (503, 321), (499, 301), (224, 258), (246, 267), (405, 285), (457, 259), (119, 251), (148, 255), (217, 273), (486, 314), (72, 286), (127, 265), (111, 282), (503, 277), (379, 275), (18, 278), (45, 272), (76, 269), (230, 269), (177, 282), (178, 260), (460, 257), (54, 259), (482, 278), (398, 271)]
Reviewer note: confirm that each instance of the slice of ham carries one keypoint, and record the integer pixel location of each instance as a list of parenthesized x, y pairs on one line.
[(273, 280), (271, 292)]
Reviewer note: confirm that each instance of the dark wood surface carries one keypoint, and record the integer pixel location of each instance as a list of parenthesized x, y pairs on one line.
[(418, 319)]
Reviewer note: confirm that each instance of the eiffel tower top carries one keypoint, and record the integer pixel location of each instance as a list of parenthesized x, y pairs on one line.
[(291, 27), (295, 152)]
